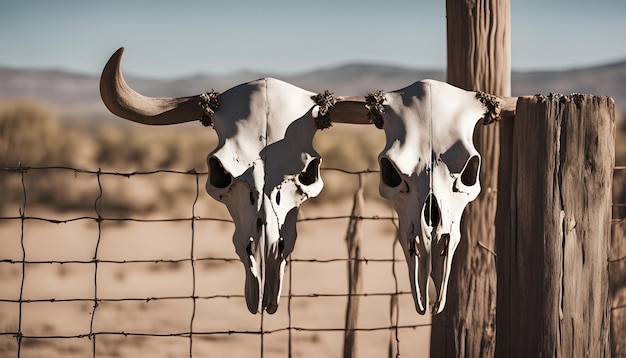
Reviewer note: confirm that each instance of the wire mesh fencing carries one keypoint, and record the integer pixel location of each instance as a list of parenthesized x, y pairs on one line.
[(107, 282)]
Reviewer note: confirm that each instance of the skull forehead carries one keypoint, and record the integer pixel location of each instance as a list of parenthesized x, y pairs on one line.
[(430, 118), (268, 120)]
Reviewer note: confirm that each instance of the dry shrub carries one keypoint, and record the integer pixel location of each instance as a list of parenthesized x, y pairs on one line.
[(140, 147), (31, 137), (30, 134)]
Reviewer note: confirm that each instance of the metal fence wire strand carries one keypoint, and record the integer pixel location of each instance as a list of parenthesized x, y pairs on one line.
[(394, 308), (394, 327), (192, 260), (97, 206), (18, 334)]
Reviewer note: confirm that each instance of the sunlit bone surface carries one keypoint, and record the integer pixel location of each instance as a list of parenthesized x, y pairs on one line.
[(429, 172), (263, 168)]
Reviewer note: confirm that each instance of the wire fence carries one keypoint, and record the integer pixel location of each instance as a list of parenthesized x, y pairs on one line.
[(21, 336), (192, 333)]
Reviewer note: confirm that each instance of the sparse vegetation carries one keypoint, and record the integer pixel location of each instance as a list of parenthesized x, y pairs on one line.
[(30, 136)]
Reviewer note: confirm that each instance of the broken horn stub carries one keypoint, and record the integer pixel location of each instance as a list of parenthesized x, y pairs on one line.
[(324, 101), (209, 104), (496, 107), (374, 104)]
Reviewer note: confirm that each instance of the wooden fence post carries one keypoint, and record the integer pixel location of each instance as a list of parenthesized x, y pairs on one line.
[(553, 269), (617, 265), (479, 59), (355, 285)]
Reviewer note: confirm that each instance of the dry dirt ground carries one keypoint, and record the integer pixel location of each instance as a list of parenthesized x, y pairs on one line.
[(160, 306), (146, 309)]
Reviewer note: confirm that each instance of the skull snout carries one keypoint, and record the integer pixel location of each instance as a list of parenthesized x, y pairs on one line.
[(431, 256), (440, 270), (254, 276), (264, 208), (267, 251), (275, 268)]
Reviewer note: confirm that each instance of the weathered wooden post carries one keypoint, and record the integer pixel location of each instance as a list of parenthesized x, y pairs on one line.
[(617, 264), (553, 268), (479, 59), (355, 284)]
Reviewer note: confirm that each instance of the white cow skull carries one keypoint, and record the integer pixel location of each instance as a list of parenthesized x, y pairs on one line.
[(263, 168), (429, 172)]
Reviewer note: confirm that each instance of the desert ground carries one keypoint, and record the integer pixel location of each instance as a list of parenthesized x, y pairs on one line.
[(146, 309)]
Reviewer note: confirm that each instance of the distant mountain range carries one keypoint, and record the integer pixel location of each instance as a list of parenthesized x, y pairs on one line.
[(75, 97)]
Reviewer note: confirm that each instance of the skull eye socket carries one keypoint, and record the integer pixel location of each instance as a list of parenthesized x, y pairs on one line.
[(470, 172), (310, 173), (389, 174), (218, 176)]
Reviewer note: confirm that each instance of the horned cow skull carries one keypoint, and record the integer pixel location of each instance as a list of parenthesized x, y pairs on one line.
[(263, 168), (429, 172)]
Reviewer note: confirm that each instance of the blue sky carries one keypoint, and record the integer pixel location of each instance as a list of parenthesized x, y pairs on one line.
[(167, 39)]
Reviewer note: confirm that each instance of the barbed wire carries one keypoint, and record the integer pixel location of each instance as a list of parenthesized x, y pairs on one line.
[(229, 332), (95, 261), (394, 327)]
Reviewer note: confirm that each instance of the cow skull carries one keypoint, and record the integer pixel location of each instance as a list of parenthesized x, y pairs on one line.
[(263, 168), (429, 172)]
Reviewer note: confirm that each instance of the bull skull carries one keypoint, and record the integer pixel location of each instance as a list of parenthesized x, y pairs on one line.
[(263, 168), (429, 172)]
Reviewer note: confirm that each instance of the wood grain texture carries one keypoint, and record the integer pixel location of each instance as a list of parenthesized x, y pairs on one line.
[(355, 282), (553, 294), (617, 265), (479, 59)]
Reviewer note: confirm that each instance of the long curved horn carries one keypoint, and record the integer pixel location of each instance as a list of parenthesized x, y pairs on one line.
[(124, 102)]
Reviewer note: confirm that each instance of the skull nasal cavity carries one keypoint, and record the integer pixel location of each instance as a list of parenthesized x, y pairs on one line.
[(309, 175), (389, 174), (470, 173), (218, 176), (250, 248), (432, 215)]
